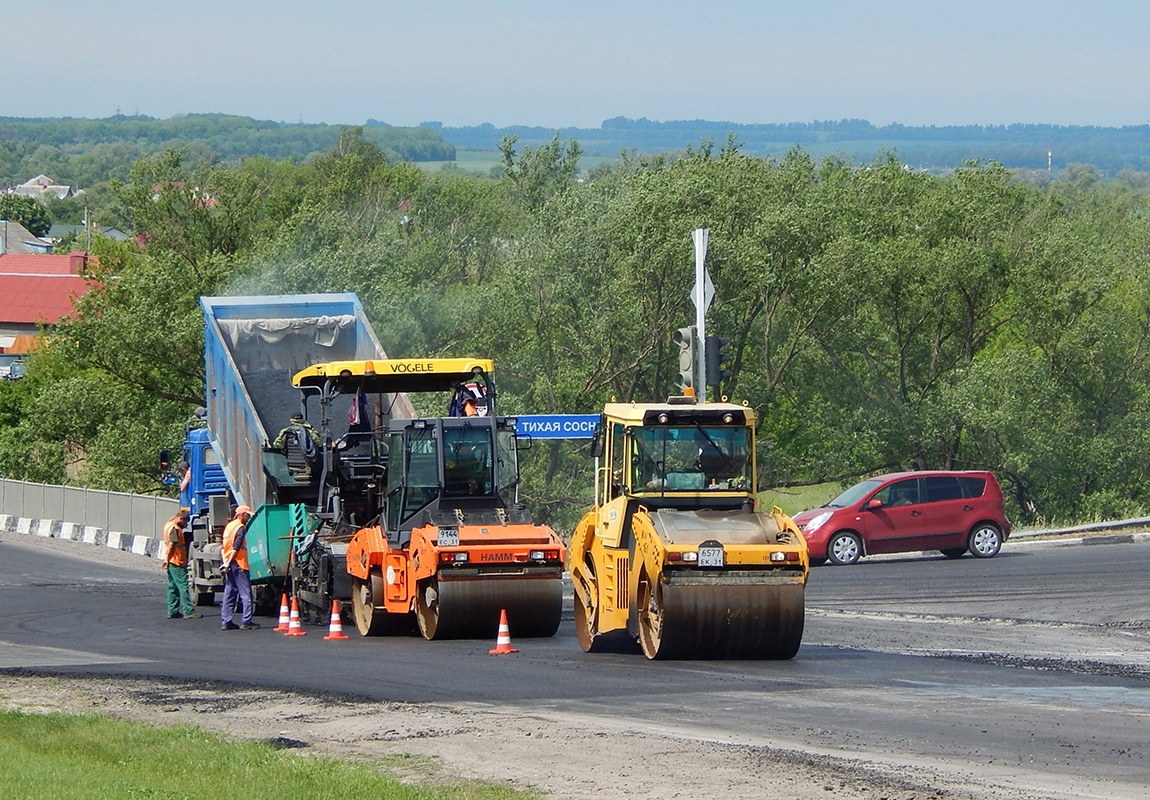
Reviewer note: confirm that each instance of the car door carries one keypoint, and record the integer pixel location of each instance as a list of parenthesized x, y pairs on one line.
[(895, 524), (945, 513)]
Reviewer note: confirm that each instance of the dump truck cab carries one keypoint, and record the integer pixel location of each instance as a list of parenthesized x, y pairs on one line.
[(675, 553)]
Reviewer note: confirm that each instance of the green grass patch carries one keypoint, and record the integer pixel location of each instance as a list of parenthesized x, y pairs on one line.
[(482, 163), (61, 756), (793, 499)]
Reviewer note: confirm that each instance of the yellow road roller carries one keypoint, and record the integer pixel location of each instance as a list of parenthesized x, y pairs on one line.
[(675, 554)]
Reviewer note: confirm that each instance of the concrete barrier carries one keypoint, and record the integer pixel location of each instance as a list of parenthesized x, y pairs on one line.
[(148, 546)]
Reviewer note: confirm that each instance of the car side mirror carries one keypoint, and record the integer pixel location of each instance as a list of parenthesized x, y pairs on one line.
[(873, 503)]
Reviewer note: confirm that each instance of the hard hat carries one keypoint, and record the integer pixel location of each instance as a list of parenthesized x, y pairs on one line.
[(244, 509)]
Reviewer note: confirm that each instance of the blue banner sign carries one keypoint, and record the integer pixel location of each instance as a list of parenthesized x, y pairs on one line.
[(557, 426)]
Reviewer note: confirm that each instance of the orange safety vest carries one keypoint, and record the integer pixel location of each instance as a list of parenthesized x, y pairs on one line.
[(230, 553), (177, 548)]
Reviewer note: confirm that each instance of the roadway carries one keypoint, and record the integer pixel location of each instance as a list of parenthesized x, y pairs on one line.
[(1031, 669)]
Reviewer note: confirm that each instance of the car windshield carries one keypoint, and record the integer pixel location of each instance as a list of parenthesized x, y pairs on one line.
[(854, 494)]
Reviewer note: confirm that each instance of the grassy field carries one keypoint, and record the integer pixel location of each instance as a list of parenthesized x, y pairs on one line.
[(482, 162), (62, 756), (793, 499)]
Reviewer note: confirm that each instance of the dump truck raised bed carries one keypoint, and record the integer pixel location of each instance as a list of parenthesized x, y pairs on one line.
[(443, 543), (674, 553), (253, 345)]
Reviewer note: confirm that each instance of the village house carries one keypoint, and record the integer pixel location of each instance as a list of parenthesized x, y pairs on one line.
[(35, 291)]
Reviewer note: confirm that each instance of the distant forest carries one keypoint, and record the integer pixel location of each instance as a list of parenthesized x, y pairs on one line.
[(933, 148), (84, 152)]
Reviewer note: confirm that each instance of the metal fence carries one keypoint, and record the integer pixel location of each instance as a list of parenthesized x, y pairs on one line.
[(137, 514)]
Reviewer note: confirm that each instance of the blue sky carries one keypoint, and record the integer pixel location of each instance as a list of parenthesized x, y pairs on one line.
[(466, 62)]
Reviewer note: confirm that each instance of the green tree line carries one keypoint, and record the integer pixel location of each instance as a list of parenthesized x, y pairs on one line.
[(86, 152), (879, 318)]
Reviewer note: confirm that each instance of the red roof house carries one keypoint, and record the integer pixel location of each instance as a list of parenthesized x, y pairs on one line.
[(38, 290)]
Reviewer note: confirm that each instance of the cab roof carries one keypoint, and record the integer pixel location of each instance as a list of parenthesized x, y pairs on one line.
[(678, 413)]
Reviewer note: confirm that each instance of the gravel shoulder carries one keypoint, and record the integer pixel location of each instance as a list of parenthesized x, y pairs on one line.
[(547, 753)]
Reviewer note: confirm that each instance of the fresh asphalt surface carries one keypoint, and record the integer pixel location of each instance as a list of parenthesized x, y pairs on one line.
[(1033, 666)]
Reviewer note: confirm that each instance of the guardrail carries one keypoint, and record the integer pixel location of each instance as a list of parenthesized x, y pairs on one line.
[(1138, 523), (111, 512)]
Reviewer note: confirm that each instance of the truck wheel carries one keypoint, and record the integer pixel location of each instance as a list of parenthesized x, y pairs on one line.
[(844, 549), (985, 540), (366, 597)]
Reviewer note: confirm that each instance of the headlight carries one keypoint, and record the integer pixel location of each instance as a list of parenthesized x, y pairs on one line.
[(816, 523)]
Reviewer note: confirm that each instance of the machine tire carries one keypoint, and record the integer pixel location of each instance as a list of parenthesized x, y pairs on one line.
[(370, 618), (985, 540), (844, 548), (587, 622), (953, 552), (650, 606), (204, 598), (427, 607), (198, 597)]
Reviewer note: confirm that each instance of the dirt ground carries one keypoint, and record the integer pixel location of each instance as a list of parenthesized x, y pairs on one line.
[(561, 758)]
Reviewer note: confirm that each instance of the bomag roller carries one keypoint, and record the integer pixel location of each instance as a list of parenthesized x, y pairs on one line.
[(674, 553), (438, 538)]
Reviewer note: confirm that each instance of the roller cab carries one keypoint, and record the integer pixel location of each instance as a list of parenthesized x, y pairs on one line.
[(675, 555)]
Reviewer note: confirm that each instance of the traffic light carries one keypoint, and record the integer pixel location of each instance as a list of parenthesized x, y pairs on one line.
[(714, 358), (685, 338)]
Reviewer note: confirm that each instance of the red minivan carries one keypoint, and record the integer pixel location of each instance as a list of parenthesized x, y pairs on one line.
[(953, 511)]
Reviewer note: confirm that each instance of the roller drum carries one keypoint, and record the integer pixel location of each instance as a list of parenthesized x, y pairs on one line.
[(722, 620), (469, 608)]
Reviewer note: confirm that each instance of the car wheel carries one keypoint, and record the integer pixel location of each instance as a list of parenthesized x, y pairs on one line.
[(953, 552), (985, 540), (844, 549)]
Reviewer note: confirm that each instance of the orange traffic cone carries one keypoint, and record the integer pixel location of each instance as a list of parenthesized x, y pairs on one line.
[(503, 640), (294, 627), (335, 629), (285, 619)]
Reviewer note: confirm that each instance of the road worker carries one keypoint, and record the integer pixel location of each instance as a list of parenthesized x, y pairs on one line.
[(296, 425), (301, 443), (237, 579), (174, 554)]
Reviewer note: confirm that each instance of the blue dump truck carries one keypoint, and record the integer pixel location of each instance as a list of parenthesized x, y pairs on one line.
[(253, 345)]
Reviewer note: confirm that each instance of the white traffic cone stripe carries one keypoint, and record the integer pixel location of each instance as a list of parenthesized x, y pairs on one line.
[(294, 627), (503, 639), (285, 617), (335, 628)]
